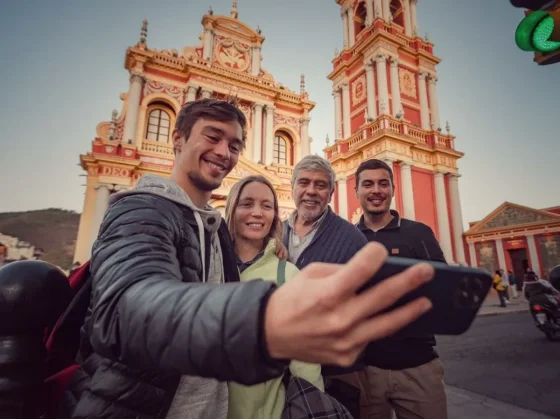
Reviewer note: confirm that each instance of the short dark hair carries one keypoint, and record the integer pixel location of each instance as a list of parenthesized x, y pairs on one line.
[(212, 109), (373, 164)]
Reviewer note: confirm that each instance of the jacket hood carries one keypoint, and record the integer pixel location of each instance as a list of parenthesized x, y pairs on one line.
[(168, 189)]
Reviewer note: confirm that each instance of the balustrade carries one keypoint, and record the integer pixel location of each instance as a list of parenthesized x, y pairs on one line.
[(155, 147)]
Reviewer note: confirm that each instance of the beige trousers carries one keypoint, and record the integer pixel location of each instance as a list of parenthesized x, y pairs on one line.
[(414, 393)]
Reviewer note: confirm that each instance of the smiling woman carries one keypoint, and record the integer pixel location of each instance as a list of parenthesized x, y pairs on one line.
[(252, 217)]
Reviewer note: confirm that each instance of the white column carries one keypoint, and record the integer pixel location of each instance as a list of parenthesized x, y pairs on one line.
[(191, 92), (533, 255), (206, 93), (256, 61), (407, 191), (501, 255), (472, 253), (133, 104), (351, 28), (337, 114), (393, 200), (407, 18), (342, 199), (456, 218), (434, 102), (305, 149), (386, 9), (413, 20), (443, 217), (208, 41), (369, 12), (377, 8), (269, 142), (370, 82), (424, 111), (346, 109), (382, 86), (101, 205), (257, 132), (395, 86), (345, 28)]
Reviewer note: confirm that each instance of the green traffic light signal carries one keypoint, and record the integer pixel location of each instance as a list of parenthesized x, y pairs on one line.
[(534, 31)]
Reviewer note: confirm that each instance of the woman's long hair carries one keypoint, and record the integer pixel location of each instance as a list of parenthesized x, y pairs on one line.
[(276, 230)]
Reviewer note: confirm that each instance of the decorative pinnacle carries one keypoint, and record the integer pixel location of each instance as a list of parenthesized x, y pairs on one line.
[(302, 84), (447, 127), (113, 125), (234, 12), (144, 31), (328, 140), (210, 11), (259, 31)]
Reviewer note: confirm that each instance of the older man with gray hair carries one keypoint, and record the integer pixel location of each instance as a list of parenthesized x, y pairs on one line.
[(314, 233)]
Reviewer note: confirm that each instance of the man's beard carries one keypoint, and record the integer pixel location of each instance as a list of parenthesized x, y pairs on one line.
[(203, 184), (309, 215)]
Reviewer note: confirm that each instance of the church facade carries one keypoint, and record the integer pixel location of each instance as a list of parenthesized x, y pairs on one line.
[(386, 107), (516, 237), (137, 140)]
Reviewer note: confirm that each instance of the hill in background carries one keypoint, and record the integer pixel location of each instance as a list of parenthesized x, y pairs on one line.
[(53, 230)]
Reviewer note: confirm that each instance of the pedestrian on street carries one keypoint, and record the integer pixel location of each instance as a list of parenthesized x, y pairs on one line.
[(512, 284), (169, 323), (498, 284), (505, 285), (403, 372)]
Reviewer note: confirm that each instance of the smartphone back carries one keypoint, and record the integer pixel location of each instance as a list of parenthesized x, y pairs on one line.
[(456, 293)]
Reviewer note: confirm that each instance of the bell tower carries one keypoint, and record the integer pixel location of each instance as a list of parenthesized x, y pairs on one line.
[(386, 107)]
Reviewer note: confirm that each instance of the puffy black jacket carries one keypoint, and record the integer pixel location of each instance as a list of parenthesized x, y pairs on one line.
[(151, 319)]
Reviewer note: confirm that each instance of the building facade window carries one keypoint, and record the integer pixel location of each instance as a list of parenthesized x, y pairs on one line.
[(280, 150), (159, 125)]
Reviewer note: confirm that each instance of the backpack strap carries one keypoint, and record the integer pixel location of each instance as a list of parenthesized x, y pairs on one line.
[(281, 273)]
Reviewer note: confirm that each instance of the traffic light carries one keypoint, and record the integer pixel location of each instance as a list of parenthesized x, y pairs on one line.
[(539, 31), (535, 32)]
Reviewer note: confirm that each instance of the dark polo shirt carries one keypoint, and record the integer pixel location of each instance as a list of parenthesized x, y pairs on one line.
[(410, 239)]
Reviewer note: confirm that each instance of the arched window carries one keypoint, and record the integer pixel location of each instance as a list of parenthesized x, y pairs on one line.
[(159, 125), (397, 12), (360, 17), (280, 150)]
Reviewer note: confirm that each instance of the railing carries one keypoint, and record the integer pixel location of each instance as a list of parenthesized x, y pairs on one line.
[(387, 125), (282, 169), (155, 147)]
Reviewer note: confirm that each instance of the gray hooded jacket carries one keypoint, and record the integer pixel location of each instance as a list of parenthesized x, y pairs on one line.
[(158, 341)]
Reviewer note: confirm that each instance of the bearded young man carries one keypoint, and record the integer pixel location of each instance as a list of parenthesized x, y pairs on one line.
[(169, 323), (403, 372)]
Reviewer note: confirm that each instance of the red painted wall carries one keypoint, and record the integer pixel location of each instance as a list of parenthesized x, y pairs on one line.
[(353, 203), (412, 115), (335, 199), (424, 198), (358, 120)]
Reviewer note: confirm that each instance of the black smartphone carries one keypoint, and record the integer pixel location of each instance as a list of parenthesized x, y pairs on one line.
[(456, 293)]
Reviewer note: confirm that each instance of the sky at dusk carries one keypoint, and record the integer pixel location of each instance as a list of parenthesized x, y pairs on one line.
[(63, 70)]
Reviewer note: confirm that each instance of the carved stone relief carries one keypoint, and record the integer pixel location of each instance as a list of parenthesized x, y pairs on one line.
[(512, 216), (157, 87), (359, 90), (407, 82)]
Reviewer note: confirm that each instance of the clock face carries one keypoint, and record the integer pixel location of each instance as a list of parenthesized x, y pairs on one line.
[(233, 55)]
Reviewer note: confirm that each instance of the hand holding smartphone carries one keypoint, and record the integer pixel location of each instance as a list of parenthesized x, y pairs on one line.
[(456, 293)]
